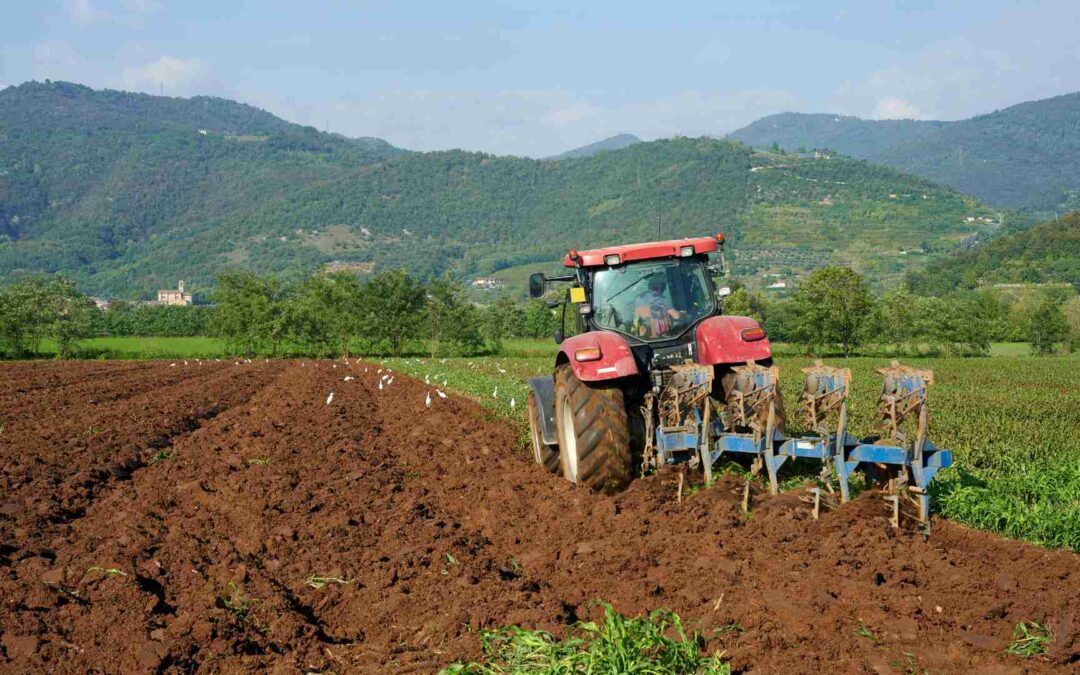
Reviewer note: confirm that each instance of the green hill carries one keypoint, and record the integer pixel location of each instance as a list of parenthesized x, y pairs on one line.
[(1023, 157), (129, 192), (1048, 253), (849, 135), (617, 142)]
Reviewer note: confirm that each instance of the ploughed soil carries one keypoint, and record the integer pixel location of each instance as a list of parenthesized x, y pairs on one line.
[(172, 516)]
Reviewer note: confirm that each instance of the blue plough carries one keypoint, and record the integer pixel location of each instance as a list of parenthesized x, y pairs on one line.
[(901, 458)]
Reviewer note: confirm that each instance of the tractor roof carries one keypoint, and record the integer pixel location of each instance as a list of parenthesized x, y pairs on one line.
[(646, 251)]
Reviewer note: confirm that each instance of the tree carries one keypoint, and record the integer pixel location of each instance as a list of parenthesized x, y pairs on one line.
[(324, 313), (450, 318), (831, 307), (1048, 327), (250, 313), (502, 319), (393, 305), (70, 314), (24, 315), (540, 321)]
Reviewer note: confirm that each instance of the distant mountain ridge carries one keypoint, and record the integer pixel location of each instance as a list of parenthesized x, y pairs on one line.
[(130, 192), (616, 142), (1026, 156)]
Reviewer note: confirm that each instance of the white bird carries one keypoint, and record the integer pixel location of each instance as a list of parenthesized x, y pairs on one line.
[(427, 400), (495, 394), (513, 403), (349, 377), (185, 363), (427, 379), (335, 365), (172, 365), (330, 398), (380, 385), (378, 371), (500, 370), (444, 383), (440, 393), (390, 381)]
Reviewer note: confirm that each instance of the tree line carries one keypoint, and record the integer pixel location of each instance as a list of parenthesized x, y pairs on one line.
[(391, 313), (833, 310)]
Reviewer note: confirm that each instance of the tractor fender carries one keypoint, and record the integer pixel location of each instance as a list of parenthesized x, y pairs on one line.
[(616, 360), (543, 387), (731, 339)]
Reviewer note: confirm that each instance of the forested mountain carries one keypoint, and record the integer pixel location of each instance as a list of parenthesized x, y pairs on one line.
[(1024, 157), (1045, 254), (849, 135), (129, 192), (617, 142)]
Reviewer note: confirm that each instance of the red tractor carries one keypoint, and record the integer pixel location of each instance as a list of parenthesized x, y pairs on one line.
[(652, 346), (656, 374)]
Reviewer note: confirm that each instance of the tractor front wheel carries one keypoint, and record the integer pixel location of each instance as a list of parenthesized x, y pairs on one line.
[(544, 454), (593, 432)]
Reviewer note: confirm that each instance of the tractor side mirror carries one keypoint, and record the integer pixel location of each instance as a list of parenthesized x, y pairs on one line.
[(723, 292), (559, 337), (537, 282)]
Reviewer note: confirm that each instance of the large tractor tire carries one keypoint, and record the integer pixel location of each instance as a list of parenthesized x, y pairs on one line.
[(545, 455), (593, 432)]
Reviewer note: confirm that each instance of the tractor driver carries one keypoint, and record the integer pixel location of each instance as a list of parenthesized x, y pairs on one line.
[(653, 314)]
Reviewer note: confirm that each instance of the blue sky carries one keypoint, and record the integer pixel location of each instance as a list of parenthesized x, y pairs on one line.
[(536, 78)]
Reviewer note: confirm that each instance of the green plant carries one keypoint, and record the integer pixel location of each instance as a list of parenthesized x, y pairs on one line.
[(865, 632), (258, 461), (108, 571), (160, 456), (235, 601), (656, 644), (1030, 638)]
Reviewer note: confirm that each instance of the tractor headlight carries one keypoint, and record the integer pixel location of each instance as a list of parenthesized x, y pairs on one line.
[(612, 259), (686, 251)]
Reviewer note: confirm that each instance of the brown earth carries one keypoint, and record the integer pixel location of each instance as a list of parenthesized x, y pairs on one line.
[(159, 517)]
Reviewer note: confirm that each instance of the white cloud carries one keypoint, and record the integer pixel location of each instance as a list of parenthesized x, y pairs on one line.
[(178, 76), (892, 108), (81, 12), (129, 13)]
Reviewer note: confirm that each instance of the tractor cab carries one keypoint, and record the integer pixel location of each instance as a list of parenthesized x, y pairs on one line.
[(652, 293)]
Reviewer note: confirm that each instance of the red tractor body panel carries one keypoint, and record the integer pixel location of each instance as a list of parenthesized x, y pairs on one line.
[(731, 339), (646, 251), (615, 358)]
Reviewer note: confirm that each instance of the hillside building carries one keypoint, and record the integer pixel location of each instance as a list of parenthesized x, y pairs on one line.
[(175, 297)]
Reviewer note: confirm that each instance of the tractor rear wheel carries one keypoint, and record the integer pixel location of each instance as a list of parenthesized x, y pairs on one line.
[(593, 431), (544, 454)]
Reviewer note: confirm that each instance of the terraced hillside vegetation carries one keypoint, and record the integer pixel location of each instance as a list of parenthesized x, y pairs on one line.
[(129, 192)]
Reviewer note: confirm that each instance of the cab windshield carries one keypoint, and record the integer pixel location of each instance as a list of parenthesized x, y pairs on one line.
[(654, 300)]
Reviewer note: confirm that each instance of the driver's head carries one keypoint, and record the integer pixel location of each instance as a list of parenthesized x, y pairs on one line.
[(657, 284)]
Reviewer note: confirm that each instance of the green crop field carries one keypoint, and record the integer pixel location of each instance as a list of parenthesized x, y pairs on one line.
[(1011, 421)]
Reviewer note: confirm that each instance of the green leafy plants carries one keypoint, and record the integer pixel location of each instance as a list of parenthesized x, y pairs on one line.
[(657, 644), (1030, 638)]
